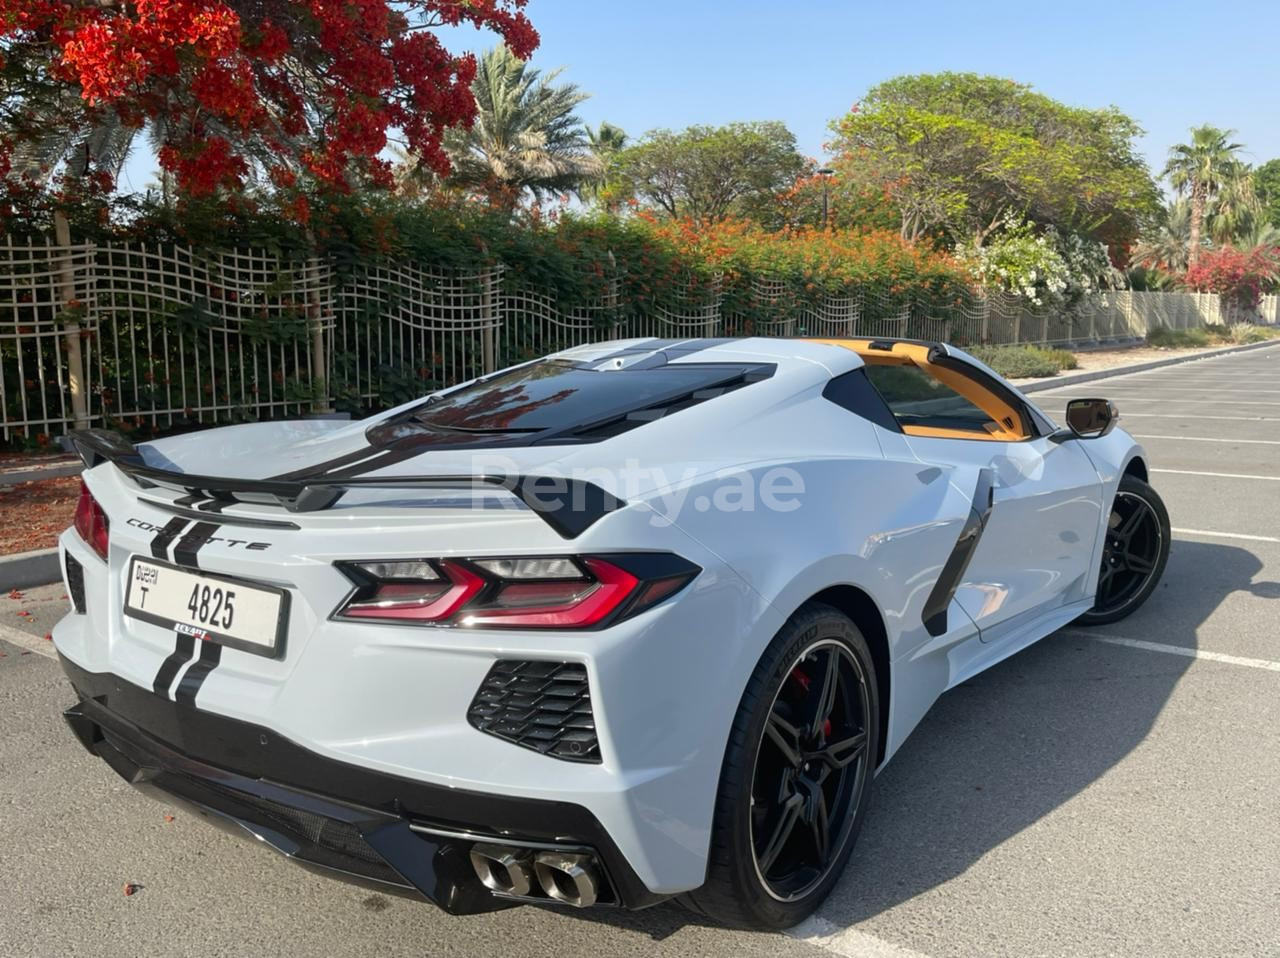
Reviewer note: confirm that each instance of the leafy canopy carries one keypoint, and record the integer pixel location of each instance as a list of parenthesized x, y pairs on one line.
[(1266, 183), (957, 151), (707, 174), (241, 86)]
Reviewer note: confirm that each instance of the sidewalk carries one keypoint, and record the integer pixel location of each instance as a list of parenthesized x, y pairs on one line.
[(1143, 358)]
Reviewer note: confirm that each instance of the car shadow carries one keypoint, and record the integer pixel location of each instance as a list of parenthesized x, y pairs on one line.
[(1003, 750)]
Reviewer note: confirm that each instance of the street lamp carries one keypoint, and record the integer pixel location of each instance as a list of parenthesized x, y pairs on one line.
[(825, 173)]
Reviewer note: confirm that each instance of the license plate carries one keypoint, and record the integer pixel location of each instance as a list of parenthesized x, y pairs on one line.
[(214, 608)]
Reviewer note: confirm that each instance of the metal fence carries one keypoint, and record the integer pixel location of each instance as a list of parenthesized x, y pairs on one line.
[(149, 336)]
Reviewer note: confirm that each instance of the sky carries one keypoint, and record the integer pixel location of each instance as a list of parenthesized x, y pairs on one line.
[(659, 63)]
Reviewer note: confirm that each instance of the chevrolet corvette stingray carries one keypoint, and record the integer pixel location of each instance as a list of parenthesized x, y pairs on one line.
[(635, 621)]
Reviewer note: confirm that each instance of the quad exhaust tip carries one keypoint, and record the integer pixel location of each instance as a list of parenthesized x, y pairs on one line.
[(503, 869), (568, 877)]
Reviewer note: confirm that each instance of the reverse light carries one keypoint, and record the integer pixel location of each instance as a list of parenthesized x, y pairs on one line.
[(557, 592), (91, 522)]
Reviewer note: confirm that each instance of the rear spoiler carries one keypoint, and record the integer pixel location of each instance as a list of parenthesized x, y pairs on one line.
[(569, 506)]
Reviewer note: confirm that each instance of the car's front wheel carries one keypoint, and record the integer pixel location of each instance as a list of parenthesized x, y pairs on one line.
[(1134, 552), (796, 775)]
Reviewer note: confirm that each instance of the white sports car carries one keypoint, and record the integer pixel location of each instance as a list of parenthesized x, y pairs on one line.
[(634, 621)]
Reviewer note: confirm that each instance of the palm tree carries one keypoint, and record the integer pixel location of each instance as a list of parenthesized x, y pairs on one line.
[(1165, 242), (1201, 169), (1260, 234), (606, 140), (1236, 206), (526, 136)]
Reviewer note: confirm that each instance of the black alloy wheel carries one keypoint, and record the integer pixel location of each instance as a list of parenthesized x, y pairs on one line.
[(1134, 552), (810, 765), (797, 774)]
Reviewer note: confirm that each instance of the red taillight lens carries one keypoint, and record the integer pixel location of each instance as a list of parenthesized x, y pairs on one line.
[(91, 522), (575, 604), (415, 600), (543, 593)]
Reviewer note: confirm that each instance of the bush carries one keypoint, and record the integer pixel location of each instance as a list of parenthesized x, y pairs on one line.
[(1244, 333), (1020, 362), (1182, 338)]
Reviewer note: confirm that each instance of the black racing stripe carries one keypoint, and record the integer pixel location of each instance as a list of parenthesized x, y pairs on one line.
[(184, 553), (315, 470), (179, 657), (189, 687), (160, 544), (636, 349)]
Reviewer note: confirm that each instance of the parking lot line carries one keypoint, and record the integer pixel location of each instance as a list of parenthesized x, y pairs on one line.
[(1166, 415), (847, 942), (1252, 442), (1224, 535), (1265, 664), (1216, 475), (27, 641)]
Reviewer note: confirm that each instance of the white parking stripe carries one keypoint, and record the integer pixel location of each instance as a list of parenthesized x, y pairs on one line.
[(1224, 535), (1252, 442), (28, 641), (1249, 663), (1168, 415), (848, 942), (1166, 400), (1216, 475)]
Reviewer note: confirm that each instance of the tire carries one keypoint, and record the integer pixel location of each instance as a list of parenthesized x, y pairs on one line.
[(1133, 498), (780, 693)]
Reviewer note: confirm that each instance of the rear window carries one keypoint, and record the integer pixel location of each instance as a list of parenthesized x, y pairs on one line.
[(555, 395)]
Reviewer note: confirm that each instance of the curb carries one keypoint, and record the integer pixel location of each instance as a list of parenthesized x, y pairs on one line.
[(27, 569), (1055, 382), (34, 475)]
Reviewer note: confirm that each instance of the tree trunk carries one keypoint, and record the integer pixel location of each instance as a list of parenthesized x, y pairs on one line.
[(71, 330), (1197, 219)]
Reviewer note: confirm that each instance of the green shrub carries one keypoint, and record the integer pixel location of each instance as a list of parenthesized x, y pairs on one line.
[(1181, 338), (1020, 362)]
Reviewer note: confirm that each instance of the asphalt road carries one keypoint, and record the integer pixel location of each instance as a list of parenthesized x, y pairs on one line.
[(1091, 796)]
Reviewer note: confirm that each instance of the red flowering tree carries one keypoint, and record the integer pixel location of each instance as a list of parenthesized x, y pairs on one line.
[(279, 87), (1240, 277)]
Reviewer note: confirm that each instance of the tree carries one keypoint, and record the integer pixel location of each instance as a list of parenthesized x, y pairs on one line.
[(707, 174), (1165, 239), (606, 140), (526, 136), (1235, 209), (1200, 170), (242, 87), (1266, 183), (958, 151)]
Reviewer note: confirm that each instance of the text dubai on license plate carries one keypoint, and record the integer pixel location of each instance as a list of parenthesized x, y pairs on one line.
[(213, 608)]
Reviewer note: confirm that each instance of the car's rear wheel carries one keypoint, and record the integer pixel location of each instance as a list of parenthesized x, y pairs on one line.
[(1134, 553), (796, 775)]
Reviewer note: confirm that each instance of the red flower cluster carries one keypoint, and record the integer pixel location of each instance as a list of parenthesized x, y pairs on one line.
[(1239, 276), (224, 76)]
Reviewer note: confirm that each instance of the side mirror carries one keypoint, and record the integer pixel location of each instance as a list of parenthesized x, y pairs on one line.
[(1091, 418)]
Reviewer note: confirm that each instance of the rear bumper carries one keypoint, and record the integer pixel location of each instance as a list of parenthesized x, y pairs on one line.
[(356, 823)]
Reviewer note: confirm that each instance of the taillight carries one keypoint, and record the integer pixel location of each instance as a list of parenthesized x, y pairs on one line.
[(91, 522), (559, 592)]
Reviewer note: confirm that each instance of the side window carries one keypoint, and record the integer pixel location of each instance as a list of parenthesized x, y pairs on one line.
[(918, 400)]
